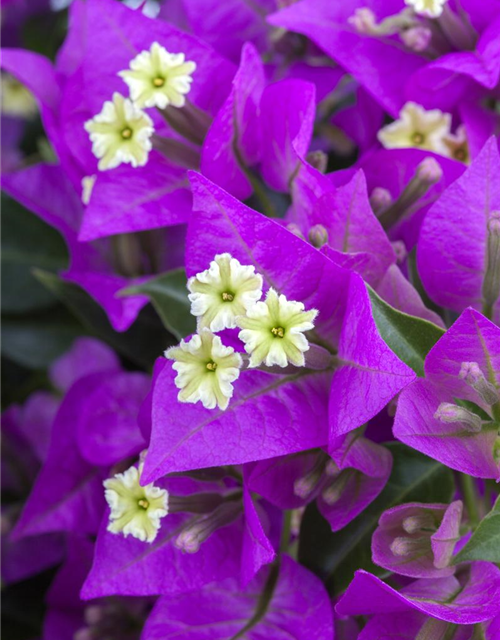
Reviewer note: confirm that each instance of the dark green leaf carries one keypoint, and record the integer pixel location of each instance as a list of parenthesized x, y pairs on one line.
[(37, 340), (169, 297), (336, 556), (410, 338), (27, 242), (485, 541), (142, 343)]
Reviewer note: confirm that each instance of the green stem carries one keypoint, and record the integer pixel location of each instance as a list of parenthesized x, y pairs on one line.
[(267, 207), (285, 531), (470, 498), (488, 310)]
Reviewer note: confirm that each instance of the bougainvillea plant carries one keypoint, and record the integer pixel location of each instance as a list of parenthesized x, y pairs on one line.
[(251, 309)]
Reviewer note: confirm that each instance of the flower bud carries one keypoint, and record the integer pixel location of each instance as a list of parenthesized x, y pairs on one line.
[(471, 373), (452, 413), (434, 629), (402, 546), (429, 172), (295, 229), (318, 236), (380, 199), (318, 160), (417, 38), (334, 491), (491, 279), (364, 21), (420, 522), (305, 486), (400, 251), (194, 534)]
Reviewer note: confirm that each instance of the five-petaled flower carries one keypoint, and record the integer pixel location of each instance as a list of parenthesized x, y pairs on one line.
[(226, 289), (120, 133), (158, 78), (273, 331), (205, 369), (135, 510)]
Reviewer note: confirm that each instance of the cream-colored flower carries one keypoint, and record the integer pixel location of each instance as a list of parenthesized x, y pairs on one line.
[(17, 100), (428, 8), (88, 183), (205, 369), (121, 133), (273, 331), (227, 289), (157, 78), (135, 510), (417, 128)]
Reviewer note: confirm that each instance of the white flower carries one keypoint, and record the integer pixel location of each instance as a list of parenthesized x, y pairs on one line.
[(417, 128), (273, 331), (227, 289), (428, 8), (157, 78), (17, 100), (205, 370), (135, 510), (457, 146), (88, 183), (120, 134)]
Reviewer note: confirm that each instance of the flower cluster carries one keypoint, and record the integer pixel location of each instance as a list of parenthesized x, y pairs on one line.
[(252, 331)]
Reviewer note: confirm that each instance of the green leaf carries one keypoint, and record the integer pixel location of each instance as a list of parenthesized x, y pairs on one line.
[(27, 242), (37, 340), (485, 541), (336, 556), (142, 343), (410, 338), (169, 296)]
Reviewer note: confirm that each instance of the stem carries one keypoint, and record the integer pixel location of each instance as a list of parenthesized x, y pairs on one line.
[(267, 207), (470, 498), (285, 531)]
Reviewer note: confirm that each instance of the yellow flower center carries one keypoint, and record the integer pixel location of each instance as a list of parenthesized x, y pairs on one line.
[(418, 138), (143, 503), (159, 82), (126, 133), (227, 297), (278, 332), (211, 366)]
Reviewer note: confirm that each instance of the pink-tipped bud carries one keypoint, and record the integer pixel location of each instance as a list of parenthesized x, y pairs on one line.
[(364, 21), (429, 171), (423, 521), (471, 373), (93, 615), (318, 160), (452, 414), (380, 199), (195, 533), (295, 229), (491, 279), (417, 38), (494, 224), (331, 468), (84, 634), (402, 546), (318, 236), (400, 251)]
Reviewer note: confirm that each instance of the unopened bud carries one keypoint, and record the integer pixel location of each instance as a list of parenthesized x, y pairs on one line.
[(471, 373), (331, 468), (93, 614), (305, 485), (402, 546), (195, 503), (318, 236), (364, 21), (333, 493), (193, 536), (429, 171), (452, 413), (380, 199), (295, 229), (84, 634), (318, 160), (420, 522), (427, 174), (434, 629), (400, 251), (491, 280), (417, 38)]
